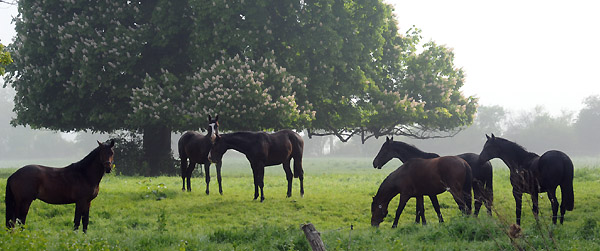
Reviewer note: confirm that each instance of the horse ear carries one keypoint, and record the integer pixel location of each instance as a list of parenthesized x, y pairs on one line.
[(209, 118), (488, 137), (387, 139), (112, 143), (217, 117), (99, 143), (493, 137)]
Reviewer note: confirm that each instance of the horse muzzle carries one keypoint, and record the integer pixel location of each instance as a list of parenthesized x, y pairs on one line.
[(108, 165)]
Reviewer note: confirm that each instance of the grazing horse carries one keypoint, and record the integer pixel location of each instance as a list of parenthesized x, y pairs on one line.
[(534, 174), (195, 146), (482, 174), (263, 149), (419, 177), (77, 183)]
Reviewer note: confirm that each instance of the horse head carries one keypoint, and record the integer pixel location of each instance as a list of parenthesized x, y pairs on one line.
[(385, 154), (213, 127), (217, 150), (106, 154), (490, 149), (378, 212)]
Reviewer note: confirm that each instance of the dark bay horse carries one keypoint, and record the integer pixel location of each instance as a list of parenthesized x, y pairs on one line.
[(264, 149), (195, 147), (77, 183), (534, 174), (419, 177), (482, 173)]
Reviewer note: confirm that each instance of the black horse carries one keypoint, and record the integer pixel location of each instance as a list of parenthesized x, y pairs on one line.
[(77, 183), (263, 149), (196, 147), (419, 177), (532, 174), (482, 174)]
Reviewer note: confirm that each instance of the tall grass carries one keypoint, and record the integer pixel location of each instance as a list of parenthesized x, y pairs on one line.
[(140, 213)]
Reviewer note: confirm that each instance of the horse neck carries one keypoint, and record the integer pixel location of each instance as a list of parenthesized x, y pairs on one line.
[(240, 142), (387, 190), (516, 157), (406, 152), (90, 167)]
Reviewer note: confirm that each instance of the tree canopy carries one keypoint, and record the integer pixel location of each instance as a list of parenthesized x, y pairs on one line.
[(330, 66)]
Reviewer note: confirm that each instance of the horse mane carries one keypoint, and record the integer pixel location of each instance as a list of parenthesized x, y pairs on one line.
[(86, 161), (520, 150), (413, 150)]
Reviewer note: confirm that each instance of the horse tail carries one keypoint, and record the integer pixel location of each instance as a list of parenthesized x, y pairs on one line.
[(297, 152), (467, 186), (9, 200), (566, 186)]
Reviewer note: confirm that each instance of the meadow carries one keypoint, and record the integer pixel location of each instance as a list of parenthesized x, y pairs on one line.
[(142, 213)]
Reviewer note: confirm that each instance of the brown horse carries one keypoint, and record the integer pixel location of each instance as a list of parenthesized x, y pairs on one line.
[(196, 146), (77, 183), (263, 149), (483, 191), (419, 177)]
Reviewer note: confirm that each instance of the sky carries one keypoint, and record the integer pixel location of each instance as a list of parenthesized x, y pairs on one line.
[(516, 54)]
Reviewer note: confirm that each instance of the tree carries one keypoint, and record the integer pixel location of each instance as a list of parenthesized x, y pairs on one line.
[(586, 126), (5, 59), (154, 66)]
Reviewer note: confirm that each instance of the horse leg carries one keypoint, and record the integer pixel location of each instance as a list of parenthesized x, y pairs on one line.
[(518, 199), (289, 176), (85, 216), (534, 202), (22, 208), (554, 203), (78, 213), (417, 215), (421, 209), (489, 197), (401, 205), (255, 175), (218, 165), (188, 175), (299, 172), (207, 177), (436, 207), (183, 171), (261, 181), (478, 194)]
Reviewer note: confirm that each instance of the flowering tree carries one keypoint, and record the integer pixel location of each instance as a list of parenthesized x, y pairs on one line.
[(154, 66), (5, 59)]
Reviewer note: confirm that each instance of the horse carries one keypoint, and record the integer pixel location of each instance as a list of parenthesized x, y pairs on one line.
[(77, 183), (195, 147), (482, 174), (534, 174), (418, 177), (264, 149)]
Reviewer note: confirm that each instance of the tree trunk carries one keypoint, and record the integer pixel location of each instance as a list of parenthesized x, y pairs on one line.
[(157, 150)]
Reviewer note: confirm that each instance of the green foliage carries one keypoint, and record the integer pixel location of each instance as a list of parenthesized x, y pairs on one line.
[(131, 159), (127, 215), (5, 59)]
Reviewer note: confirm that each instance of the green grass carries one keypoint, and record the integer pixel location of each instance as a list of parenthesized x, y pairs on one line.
[(140, 213)]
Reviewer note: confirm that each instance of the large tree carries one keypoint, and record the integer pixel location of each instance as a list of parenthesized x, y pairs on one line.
[(330, 66)]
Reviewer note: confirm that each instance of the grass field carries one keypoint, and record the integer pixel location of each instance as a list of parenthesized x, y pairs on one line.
[(140, 213)]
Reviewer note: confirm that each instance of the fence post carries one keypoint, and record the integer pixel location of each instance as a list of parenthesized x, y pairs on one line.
[(313, 236)]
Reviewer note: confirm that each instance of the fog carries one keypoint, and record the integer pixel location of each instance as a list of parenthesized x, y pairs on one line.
[(538, 130)]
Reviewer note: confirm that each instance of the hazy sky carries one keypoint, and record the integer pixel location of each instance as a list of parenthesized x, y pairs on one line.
[(517, 54)]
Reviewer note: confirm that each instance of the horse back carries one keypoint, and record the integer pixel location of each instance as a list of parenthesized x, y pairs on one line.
[(481, 172), (195, 146), (283, 145), (554, 167)]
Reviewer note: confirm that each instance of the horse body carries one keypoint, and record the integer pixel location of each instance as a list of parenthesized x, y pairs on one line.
[(263, 149), (195, 147), (77, 183), (418, 177), (534, 174), (481, 173)]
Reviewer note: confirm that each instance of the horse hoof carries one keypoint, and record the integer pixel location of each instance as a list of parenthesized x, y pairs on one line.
[(221, 192), (207, 192), (394, 226)]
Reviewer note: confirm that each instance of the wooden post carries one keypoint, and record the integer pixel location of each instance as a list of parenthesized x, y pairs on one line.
[(313, 236)]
